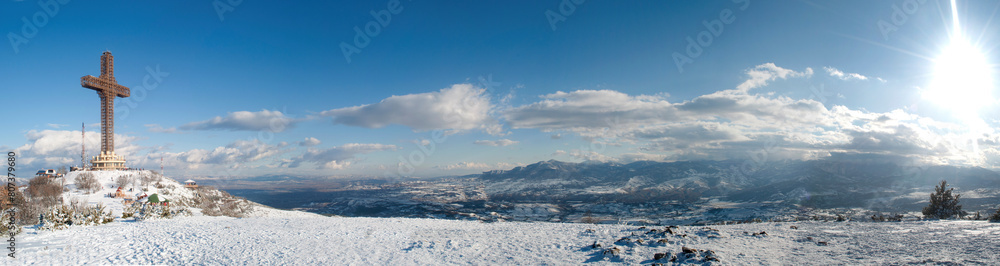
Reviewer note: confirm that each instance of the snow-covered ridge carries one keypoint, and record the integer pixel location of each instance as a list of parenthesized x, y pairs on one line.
[(165, 188)]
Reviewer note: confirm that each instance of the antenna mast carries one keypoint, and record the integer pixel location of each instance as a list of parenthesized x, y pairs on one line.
[(83, 145)]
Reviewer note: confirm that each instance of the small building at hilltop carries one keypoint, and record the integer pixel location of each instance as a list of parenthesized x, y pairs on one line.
[(190, 184), (51, 173)]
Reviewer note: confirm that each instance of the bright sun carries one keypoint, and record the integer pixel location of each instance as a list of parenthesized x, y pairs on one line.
[(962, 78)]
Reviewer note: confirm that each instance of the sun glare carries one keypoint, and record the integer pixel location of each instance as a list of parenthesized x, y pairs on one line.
[(962, 79)]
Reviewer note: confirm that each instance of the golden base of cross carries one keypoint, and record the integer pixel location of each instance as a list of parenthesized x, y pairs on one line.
[(108, 161)]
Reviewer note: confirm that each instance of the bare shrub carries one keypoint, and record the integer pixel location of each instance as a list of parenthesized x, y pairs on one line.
[(15, 208), (895, 217), (44, 190), (148, 178), (125, 180), (995, 218), (87, 182), (219, 203)]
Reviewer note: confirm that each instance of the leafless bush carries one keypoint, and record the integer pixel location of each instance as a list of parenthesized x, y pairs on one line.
[(44, 191), (87, 182), (995, 218), (210, 208), (148, 178), (77, 204), (895, 217), (589, 218), (219, 203), (236, 208), (28, 211), (124, 180), (23, 211)]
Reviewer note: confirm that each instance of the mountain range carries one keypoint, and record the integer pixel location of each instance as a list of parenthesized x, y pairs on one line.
[(656, 192)]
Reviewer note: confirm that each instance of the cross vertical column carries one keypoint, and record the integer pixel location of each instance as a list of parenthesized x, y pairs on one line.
[(107, 121)]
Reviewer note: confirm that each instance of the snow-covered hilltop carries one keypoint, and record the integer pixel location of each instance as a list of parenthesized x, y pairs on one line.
[(201, 200)]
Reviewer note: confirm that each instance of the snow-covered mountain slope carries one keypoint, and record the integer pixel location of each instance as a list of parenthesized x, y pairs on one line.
[(406, 241)]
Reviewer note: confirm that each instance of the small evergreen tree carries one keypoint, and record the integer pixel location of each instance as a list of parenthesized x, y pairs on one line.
[(943, 203)]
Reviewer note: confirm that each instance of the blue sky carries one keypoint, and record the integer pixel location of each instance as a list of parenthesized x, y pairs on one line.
[(264, 87)]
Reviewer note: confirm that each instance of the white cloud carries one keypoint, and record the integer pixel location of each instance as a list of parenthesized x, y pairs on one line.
[(586, 110), (847, 76), (155, 128), (731, 124), (500, 142), (338, 157), (610, 114), (588, 155), (640, 156), (273, 121), (684, 135), (754, 110), (460, 107), (477, 166), (309, 142), (761, 74), (235, 154), (54, 148), (465, 166)]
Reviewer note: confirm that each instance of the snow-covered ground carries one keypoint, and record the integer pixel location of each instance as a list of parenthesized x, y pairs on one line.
[(270, 236), (305, 240)]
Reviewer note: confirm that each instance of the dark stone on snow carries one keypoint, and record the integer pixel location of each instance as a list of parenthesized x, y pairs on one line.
[(688, 250), (659, 256)]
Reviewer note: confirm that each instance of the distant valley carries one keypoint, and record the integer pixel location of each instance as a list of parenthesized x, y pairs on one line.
[(690, 192)]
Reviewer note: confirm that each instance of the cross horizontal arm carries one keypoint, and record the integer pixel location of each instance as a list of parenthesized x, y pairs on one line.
[(99, 84)]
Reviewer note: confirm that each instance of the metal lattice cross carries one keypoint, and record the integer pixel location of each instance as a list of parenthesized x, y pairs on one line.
[(107, 88)]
